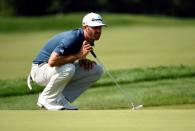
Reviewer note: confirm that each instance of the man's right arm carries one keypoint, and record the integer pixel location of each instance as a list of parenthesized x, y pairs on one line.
[(58, 60)]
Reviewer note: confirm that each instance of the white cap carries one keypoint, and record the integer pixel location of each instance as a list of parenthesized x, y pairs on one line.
[(92, 20)]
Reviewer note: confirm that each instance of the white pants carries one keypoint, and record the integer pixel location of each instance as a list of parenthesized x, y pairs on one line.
[(68, 81)]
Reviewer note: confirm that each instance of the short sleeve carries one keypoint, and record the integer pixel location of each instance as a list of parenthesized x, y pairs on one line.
[(70, 44)]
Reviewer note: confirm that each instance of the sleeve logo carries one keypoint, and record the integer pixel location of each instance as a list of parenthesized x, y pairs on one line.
[(62, 51)]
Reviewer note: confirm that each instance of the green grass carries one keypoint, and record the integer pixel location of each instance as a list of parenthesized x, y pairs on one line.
[(60, 22), (149, 86), (153, 93), (130, 41), (113, 120), (152, 52), (17, 87), (136, 46)]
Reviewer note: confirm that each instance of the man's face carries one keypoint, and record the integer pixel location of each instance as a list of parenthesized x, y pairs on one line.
[(94, 33)]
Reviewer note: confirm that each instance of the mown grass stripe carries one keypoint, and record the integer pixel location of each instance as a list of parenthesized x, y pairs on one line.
[(18, 86)]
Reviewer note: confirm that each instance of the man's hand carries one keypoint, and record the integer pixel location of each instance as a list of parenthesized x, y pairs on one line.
[(85, 49), (57, 60), (87, 64)]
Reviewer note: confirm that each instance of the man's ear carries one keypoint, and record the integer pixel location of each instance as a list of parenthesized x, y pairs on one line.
[(85, 26)]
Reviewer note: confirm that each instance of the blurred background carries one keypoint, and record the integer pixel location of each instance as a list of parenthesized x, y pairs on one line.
[(140, 33), (148, 46), (180, 8)]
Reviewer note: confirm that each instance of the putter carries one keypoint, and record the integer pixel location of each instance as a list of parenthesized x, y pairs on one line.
[(126, 96)]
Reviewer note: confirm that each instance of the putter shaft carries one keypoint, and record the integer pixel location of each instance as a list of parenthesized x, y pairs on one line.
[(126, 96)]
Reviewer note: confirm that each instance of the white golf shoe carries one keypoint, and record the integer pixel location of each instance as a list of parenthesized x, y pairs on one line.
[(44, 103), (58, 105)]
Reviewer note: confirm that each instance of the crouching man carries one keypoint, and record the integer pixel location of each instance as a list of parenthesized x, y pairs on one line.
[(63, 68)]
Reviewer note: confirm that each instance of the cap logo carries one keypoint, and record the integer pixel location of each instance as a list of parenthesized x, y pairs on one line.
[(93, 19)]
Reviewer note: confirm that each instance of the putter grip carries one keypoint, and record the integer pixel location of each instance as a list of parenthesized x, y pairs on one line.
[(93, 53)]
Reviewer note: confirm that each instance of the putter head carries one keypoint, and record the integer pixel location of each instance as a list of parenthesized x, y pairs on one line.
[(137, 107)]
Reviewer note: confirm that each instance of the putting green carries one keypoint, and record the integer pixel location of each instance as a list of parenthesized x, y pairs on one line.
[(98, 120)]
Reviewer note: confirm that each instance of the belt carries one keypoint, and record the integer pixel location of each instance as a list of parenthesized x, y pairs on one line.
[(39, 62)]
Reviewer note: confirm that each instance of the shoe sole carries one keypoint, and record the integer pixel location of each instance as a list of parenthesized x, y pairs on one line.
[(70, 109), (40, 105)]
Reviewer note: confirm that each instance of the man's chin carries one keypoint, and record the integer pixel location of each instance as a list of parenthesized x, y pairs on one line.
[(97, 38)]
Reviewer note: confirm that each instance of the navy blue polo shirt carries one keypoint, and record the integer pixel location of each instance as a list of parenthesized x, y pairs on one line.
[(65, 43)]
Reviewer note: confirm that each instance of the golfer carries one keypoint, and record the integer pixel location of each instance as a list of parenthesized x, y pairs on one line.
[(63, 68)]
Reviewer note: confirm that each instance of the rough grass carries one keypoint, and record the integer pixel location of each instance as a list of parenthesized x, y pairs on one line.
[(151, 93), (14, 87), (150, 86)]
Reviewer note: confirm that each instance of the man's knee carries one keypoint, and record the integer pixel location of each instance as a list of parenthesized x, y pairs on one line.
[(98, 70), (67, 71)]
